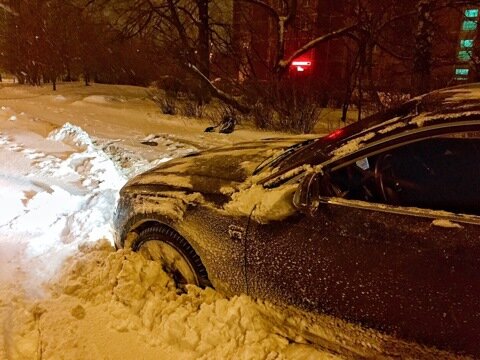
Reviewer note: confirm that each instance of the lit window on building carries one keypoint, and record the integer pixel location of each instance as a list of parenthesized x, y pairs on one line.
[(461, 71), (471, 13), (464, 55), (469, 25), (466, 43)]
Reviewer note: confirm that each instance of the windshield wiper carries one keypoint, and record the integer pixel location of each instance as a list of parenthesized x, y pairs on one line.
[(286, 153)]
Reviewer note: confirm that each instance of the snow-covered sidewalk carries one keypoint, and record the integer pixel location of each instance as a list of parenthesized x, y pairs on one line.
[(65, 293)]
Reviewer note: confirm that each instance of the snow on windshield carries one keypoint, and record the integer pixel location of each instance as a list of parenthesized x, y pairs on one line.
[(352, 145)]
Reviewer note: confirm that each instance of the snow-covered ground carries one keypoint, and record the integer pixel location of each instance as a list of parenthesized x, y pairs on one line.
[(65, 293)]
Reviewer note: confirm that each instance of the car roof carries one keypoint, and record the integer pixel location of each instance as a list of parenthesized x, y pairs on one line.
[(447, 105)]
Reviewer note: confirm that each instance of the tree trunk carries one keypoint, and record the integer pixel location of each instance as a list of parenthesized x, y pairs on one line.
[(204, 49), (361, 74), (86, 78), (373, 97), (69, 72), (422, 61), (21, 78)]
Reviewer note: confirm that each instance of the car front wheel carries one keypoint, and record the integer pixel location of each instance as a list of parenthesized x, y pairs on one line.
[(178, 258)]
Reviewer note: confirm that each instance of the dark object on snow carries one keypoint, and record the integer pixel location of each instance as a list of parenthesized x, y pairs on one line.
[(382, 227), (149, 143), (168, 107), (226, 126)]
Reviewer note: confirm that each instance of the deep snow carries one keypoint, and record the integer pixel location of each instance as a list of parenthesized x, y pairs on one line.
[(65, 293)]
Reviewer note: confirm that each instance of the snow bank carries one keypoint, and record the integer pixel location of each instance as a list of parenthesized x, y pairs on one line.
[(142, 315), (72, 135), (63, 199), (93, 162), (117, 304), (60, 98), (104, 99)]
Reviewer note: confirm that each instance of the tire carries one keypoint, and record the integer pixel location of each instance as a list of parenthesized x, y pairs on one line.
[(160, 243)]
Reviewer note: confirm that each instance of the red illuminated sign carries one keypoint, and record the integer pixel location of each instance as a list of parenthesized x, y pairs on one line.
[(301, 65)]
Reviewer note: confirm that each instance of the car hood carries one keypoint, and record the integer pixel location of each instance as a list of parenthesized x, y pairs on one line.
[(214, 171)]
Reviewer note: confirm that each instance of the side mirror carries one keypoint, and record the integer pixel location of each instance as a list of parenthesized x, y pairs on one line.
[(307, 197)]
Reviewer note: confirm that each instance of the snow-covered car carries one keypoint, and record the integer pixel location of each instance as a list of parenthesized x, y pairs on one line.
[(377, 223)]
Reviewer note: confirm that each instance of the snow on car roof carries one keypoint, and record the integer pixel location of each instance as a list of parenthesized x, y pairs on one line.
[(445, 105)]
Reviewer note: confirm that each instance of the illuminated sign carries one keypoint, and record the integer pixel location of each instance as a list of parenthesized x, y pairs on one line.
[(301, 64)]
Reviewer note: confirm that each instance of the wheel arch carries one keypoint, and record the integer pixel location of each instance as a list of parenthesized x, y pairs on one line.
[(142, 225), (137, 224), (132, 234)]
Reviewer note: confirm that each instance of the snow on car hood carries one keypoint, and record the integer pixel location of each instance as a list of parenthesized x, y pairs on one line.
[(213, 170)]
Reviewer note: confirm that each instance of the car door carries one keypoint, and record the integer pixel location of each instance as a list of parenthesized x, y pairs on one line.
[(395, 267)]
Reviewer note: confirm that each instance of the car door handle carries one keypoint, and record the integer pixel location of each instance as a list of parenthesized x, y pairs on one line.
[(235, 232)]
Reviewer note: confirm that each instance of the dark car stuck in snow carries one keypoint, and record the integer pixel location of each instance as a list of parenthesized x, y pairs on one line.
[(377, 223)]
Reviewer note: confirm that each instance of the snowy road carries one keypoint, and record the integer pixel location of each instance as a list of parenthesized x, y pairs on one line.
[(65, 293)]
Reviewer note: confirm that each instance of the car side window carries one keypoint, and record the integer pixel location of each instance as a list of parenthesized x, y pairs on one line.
[(440, 173)]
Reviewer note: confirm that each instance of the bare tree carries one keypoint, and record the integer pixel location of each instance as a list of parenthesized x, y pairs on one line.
[(422, 60), (231, 58), (283, 19)]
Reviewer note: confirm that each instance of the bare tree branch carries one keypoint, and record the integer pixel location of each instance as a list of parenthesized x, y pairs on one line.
[(7, 8), (393, 53), (265, 6), (226, 98), (284, 63)]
